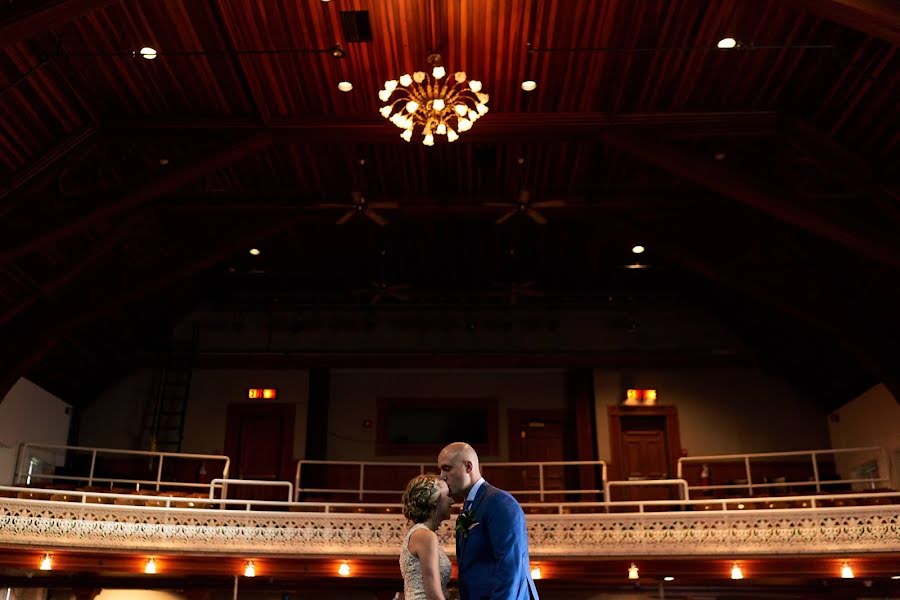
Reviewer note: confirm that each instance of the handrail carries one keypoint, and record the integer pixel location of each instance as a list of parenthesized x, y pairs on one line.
[(681, 483), (91, 477), (727, 505), (812, 454), (222, 483), (361, 490)]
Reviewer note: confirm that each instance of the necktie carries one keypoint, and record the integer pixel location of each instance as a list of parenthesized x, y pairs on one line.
[(467, 505)]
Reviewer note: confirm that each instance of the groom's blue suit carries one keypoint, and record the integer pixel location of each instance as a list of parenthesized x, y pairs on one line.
[(493, 557)]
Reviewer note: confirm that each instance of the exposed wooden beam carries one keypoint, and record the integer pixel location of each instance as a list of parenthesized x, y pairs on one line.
[(34, 20), (140, 193), (877, 18), (750, 192)]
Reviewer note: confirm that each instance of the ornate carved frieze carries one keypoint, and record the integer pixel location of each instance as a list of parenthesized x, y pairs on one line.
[(93, 526)]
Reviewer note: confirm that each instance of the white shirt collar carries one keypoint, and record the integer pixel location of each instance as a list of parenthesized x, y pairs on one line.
[(474, 490)]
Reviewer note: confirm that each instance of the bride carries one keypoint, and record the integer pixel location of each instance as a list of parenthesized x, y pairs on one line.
[(423, 563)]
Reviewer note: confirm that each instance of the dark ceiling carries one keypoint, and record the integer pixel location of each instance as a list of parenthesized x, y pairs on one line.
[(764, 180)]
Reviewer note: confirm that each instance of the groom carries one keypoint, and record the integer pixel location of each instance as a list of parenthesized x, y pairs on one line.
[(491, 540)]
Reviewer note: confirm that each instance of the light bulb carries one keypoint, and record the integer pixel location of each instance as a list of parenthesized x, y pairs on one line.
[(452, 136), (475, 86), (633, 572), (482, 97), (464, 125), (529, 85), (441, 129), (461, 109), (385, 111), (148, 53), (428, 140), (473, 116), (536, 573), (726, 43), (390, 85), (638, 249), (405, 80), (736, 572), (459, 76), (419, 76), (438, 104), (346, 86), (383, 95), (407, 135), (344, 569), (847, 571), (250, 569), (412, 106), (481, 108), (47, 563), (438, 72), (150, 566)]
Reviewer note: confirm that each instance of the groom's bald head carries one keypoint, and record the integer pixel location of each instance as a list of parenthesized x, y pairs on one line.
[(458, 463)]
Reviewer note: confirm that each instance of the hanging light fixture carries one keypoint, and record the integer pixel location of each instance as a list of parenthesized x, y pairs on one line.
[(433, 104)]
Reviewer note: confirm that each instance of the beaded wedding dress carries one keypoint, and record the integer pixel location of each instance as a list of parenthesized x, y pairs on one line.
[(413, 588)]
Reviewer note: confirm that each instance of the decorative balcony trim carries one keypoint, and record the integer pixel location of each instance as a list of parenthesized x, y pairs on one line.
[(762, 532)]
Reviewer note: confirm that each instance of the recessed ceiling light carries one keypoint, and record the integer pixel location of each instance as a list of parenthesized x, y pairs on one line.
[(528, 85), (345, 86), (638, 249), (148, 52), (668, 578), (726, 43), (254, 251)]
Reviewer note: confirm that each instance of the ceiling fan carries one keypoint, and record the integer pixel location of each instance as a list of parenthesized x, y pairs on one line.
[(361, 206), (523, 204)]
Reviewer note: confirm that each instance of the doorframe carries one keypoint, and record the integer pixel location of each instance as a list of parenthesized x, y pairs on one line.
[(673, 436), (514, 418), (288, 413)]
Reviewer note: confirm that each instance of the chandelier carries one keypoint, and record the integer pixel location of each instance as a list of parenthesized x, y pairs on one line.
[(434, 104)]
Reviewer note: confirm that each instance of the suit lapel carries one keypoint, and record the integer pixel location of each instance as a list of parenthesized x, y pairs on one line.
[(476, 503)]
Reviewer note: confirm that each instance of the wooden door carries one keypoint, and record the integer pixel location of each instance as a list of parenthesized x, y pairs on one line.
[(645, 445), (536, 436), (259, 438)]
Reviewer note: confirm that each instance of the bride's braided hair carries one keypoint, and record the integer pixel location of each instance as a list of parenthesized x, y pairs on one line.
[(420, 497)]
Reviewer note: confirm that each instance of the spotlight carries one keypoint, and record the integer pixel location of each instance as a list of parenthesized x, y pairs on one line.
[(47, 563)]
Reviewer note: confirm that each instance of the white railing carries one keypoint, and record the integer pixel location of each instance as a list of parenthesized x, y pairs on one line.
[(815, 480), (29, 450), (681, 484), (361, 489), (222, 484)]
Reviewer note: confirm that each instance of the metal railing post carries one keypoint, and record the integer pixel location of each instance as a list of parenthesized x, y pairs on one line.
[(362, 478), (159, 471), (541, 480), (93, 464), (815, 471), (749, 477)]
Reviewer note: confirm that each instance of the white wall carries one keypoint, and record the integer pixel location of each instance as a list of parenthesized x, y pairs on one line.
[(720, 411), (29, 413), (354, 394), (872, 419), (127, 405)]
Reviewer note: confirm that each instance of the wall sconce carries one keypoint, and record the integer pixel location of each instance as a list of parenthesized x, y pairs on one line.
[(150, 566), (633, 572), (47, 563), (536, 573), (344, 569), (250, 569), (847, 571), (736, 572)]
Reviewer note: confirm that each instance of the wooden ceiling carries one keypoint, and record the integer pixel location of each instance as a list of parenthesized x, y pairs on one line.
[(764, 179)]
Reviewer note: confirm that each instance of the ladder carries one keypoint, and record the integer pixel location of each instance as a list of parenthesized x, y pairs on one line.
[(167, 431)]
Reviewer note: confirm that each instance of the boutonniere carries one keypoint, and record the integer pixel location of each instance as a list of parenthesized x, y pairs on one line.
[(463, 522)]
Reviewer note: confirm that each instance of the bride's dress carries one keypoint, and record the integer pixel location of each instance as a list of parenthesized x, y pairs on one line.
[(413, 588)]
